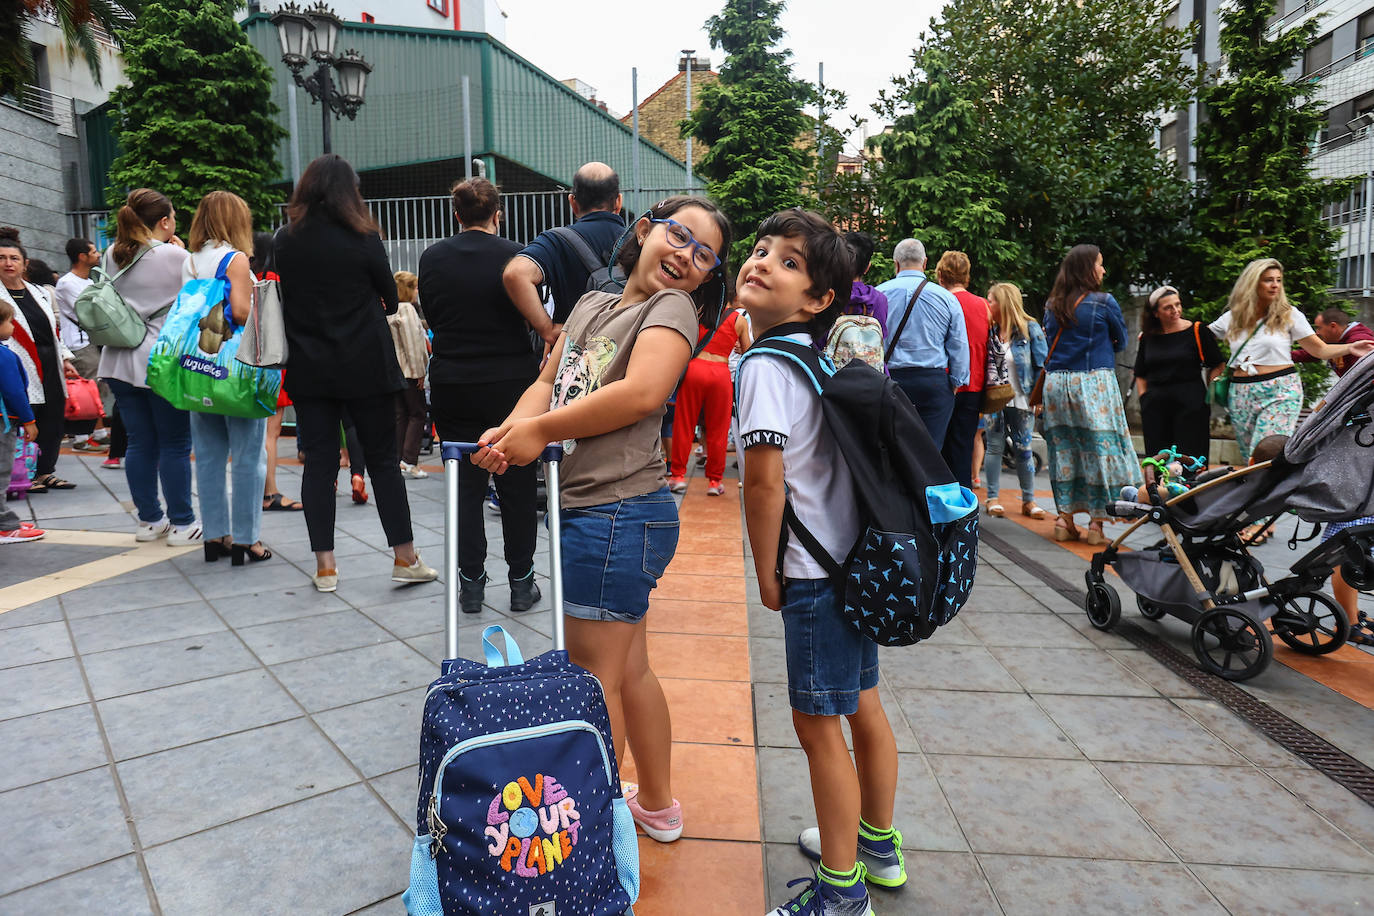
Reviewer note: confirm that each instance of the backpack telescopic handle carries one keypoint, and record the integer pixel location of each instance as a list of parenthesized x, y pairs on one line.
[(452, 453)]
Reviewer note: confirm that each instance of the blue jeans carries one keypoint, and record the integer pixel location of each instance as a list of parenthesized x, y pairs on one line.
[(1021, 424), (929, 392), (159, 447), (217, 440), (614, 555), (828, 660)]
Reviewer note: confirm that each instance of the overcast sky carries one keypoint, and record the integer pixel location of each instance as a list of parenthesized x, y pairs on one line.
[(863, 44)]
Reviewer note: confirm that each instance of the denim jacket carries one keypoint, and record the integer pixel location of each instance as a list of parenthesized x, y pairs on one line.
[(1091, 342), (1028, 355)]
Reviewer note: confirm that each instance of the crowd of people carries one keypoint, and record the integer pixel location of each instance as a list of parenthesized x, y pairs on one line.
[(514, 347)]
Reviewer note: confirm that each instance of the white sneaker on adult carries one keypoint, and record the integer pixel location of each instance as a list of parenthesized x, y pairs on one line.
[(185, 535), (413, 472), (151, 531)]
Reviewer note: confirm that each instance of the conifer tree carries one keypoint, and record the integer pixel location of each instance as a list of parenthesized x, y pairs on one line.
[(197, 114), (751, 119), (1256, 196)]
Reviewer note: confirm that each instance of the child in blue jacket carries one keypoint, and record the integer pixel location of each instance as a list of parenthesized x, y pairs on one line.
[(16, 419)]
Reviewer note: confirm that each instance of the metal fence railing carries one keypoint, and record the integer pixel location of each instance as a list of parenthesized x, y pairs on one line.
[(59, 109), (411, 224)]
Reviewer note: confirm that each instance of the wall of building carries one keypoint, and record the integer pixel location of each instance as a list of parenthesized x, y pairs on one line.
[(31, 184), (467, 15), (661, 112)]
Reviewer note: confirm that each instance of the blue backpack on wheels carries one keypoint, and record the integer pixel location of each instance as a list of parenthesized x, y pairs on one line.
[(520, 810)]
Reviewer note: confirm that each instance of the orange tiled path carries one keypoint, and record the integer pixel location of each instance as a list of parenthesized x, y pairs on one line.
[(1348, 671), (699, 648)]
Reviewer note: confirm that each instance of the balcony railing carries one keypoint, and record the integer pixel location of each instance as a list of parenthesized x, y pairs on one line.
[(1294, 15), (47, 105)]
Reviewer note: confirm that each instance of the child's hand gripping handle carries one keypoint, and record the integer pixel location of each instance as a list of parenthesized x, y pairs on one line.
[(456, 451)]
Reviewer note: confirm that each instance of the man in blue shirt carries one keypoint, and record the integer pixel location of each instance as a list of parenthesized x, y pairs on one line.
[(930, 358), (551, 260)]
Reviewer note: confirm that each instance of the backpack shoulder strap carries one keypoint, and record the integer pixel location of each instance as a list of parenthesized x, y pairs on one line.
[(815, 368), (579, 245), (901, 326)]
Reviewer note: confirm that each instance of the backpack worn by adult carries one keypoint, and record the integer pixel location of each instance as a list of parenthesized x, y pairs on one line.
[(913, 565), (602, 277), (103, 314)]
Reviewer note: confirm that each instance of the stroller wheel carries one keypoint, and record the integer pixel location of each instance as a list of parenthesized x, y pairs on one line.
[(1231, 645), (1312, 623), (1149, 610), (1359, 575), (1102, 604)]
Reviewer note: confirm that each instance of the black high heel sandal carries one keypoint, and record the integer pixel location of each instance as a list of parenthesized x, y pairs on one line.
[(244, 553), (215, 549)]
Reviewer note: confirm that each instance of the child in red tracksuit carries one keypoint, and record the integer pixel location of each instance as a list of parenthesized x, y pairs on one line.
[(706, 388)]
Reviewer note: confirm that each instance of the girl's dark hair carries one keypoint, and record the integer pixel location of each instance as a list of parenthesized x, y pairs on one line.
[(261, 261), (143, 209), (861, 246), (9, 238), (829, 262), (709, 296), (1077, 276), (40, 274), (328, 189), (475, 201)]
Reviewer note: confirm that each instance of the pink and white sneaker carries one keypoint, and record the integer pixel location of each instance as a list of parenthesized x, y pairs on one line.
[(715, 488), (664, 825), (27, 531), (677, 484)]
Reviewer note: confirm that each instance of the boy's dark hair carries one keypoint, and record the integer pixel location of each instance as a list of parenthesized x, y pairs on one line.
[(77, 247), (6, 311), (39, 273), (595, 193), (829, 262), (1267, 449), (861, 246), (710, 295), (1335, 315)]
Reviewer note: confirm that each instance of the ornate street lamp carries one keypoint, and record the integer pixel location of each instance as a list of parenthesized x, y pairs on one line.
[(311, 34)]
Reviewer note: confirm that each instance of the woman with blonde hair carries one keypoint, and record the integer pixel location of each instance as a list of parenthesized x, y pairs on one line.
[(412, 352), (222, 233), (1025, 354), (147, 249), (1261, 328)]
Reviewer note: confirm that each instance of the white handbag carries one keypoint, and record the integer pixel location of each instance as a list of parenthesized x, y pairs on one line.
[(264, 337)]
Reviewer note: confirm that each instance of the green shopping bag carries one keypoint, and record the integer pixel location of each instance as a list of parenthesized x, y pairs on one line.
[(192, 362)]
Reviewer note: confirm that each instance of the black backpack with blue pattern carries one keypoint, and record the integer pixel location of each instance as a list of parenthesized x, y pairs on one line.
[(912, 568)]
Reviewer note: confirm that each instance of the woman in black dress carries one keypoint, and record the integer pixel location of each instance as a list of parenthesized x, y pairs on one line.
[(1169, 363)]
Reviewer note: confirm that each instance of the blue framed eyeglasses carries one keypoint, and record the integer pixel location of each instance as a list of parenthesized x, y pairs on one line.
[(679, 236)]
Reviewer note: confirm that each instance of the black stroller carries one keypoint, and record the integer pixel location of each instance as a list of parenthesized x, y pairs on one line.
[(1202, 571)]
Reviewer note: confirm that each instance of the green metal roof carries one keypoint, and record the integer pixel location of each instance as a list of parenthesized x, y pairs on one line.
[(413, 111)]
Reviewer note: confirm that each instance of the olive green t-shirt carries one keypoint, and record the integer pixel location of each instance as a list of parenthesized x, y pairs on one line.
[(628, 461)]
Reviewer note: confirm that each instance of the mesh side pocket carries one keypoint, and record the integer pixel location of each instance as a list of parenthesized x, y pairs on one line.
[(422, 897), (625, 846)]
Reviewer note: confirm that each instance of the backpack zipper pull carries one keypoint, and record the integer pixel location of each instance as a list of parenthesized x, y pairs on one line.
[(437, 828)]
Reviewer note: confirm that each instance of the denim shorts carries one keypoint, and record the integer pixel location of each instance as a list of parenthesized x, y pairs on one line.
[(613, 555), (828, 660)]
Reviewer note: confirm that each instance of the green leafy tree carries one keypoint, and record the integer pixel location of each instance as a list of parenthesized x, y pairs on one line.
[(77, 20), (751, 120), (196, 116), (1256, 195), (1031, 127)]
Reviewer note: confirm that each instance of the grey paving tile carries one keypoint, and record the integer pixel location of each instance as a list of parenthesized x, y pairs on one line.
[(1146, 729), (47, 744), (1006, 628), (154, 720), (378, 735), (932, 667), (180, 791), (1035, 885), (66, 824), (39, 642), (162, 664), (1340, 720), (1103, 640), (401, 791), (955, 633), (1000, 599), (763, 622), (773, 716), (148, 625), (271, 605), (1071, 671), (1144, 666), (768, 660), (388, 907), (303, 637), (1238, 734), (1233, 816), (110, 598), (1022, 806), (266, 873), (37, 688), (1282, 892), (356, 674), (366, 582), (968, 722), (939, 882), (922, 811), (1331, 800), (412, 616), (117, 885), (45, 611), (223, 581)]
